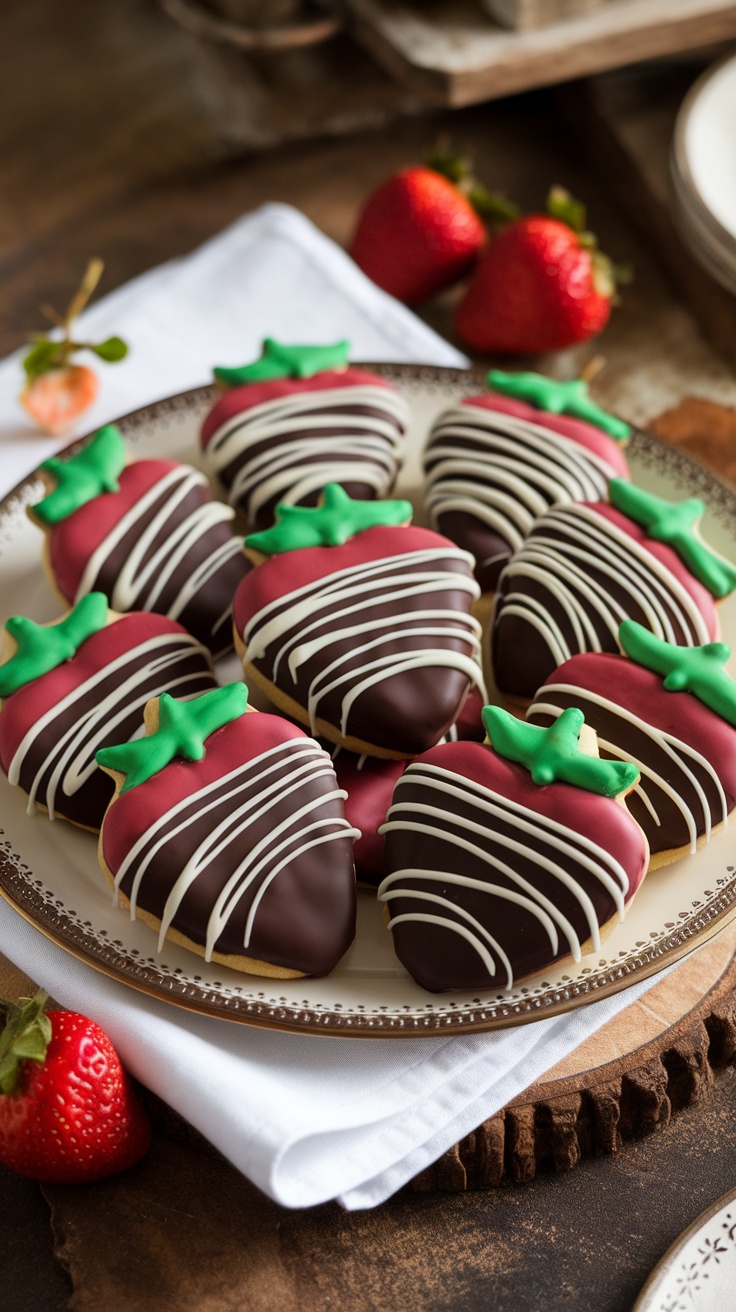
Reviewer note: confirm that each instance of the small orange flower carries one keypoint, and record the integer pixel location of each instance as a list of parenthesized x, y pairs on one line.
[(57, 392)]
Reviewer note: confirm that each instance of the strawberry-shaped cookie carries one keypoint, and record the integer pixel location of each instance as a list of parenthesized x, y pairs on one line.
[(296, 419), (504, 859), (227, 834), (670, 709), (586, 568), (494, 463), (147, 533), (79, 684), (359, 624)]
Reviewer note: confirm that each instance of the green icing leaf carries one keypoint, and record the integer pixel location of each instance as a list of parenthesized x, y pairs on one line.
[(676, 524), (183, 728), (559, 398), (697, 670), (280, 361), (94, 470), (336, 520), (554, 754), (43, 647)]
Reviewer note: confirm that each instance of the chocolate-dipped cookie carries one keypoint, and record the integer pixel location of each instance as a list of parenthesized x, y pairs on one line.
[(227, 834), (146, 533), (296, 419), (670, 709), (494, 463), (77, 685), (359, 624), (504, 859), (586, 568)]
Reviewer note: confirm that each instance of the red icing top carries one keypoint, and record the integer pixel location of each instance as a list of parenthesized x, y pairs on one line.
[(249, 395), (576, 430), (24, 708), (74, 539), (601, 819), (291, 570), (369, 792), (642, 692), (669, 558)]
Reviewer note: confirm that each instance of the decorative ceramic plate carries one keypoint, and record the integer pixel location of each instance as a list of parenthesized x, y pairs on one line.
[(698, 1273), (704, 170), (49, 871)]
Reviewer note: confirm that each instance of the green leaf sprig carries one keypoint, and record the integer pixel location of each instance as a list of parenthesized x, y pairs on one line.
[(48, 353)]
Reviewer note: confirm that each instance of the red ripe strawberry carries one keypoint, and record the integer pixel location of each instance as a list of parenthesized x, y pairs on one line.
[(68, 1114), (420, 231), (541, 286)]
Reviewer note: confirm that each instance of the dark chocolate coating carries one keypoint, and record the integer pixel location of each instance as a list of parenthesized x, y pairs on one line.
[(208, 603), (673, 718), (438, 956), (606, 581), (305, 920), (176, 665)]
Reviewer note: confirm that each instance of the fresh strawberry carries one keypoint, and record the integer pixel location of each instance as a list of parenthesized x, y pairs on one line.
[(542, 285), (56, 398), (68, 1114), (421, 231), (57, 392)]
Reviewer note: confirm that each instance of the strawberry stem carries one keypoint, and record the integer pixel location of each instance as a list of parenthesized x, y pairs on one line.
[(561, 205), (26, 1037), (443, 160)]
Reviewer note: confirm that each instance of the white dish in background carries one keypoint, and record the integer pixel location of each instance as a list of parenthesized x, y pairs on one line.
[(50, 873), (698, 1273), (704, 170)]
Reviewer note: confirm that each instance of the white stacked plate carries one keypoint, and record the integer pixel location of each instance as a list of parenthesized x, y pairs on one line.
[(704, 171)]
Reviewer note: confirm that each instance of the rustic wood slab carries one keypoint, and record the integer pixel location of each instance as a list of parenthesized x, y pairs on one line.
[(656, 1057), (452, 53)]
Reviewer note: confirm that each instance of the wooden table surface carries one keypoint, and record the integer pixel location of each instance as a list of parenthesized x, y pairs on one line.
[(108, 146)]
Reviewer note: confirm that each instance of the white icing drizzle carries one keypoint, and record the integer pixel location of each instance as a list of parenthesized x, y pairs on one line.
[(484, 841), (589, 545), (677, 752), (521, 469), (343, 596), (301, 456), (146, 573), (251, 788), (71, 756)]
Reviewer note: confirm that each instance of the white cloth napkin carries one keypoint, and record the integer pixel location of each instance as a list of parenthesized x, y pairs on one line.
[(306, 1118)]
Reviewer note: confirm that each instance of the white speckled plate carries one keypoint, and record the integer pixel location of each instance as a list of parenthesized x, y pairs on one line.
[(698, 1273), (49, 871)]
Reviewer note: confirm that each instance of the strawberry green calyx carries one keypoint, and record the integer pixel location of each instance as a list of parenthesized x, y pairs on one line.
[(43, 647), (94, 470), (676, 524), (458, 170), (26, 1037), (552, 755), (182, 731), (559, 398), (697, 670), (330, 524), (280, 361), (605, 275)]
